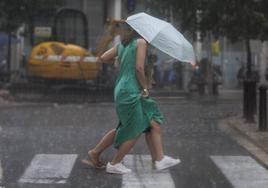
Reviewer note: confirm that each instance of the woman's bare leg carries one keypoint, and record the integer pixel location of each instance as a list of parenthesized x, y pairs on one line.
[(161, 162), (106, 141), (148, 138), (156, 141), (124, 148)]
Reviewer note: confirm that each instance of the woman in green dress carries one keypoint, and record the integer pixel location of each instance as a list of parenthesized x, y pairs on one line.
[(137, 113)]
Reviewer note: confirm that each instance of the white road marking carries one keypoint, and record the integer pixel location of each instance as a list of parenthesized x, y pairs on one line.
[(143, 176), (49, 168), (242, 171), (244, 142)]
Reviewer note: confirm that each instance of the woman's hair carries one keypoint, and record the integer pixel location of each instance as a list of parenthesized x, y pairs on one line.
[(128, 34)]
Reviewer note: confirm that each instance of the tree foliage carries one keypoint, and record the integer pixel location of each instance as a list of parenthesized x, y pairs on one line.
[(15, 12), (11, 14), (183, 10), (236, 19), (241, 20)]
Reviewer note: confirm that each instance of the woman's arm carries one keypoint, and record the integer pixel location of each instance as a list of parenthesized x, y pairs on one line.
[(140, 61), (108, 56)]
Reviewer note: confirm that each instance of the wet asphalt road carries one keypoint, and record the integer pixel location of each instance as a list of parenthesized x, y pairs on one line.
[(190, 132)]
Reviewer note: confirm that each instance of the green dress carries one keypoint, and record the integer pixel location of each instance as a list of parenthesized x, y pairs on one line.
[(133, 111)]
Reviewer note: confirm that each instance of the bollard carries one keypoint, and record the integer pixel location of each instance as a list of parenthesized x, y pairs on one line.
[(249, 102), (262, 109), (252, 94), (245, 99)]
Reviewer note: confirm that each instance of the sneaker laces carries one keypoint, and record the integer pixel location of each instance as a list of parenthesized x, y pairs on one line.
[(121, 166)]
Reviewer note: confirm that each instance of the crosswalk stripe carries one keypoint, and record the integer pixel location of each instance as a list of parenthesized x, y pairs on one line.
[(49, 168), (143, 176), (242, 171)]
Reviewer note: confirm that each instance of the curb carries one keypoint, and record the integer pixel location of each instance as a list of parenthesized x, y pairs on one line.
[(244, 140), (1, 176)]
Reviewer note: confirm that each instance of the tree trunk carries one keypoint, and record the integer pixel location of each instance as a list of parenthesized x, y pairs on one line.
[(31, 9), (31, 31), (209, 66), (249, 71), (263, 72), (9, 53)]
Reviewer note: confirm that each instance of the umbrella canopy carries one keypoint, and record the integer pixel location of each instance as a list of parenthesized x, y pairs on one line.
[(163, 36)]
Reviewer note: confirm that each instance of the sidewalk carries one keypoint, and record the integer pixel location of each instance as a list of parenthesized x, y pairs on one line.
[(171, 91), (248, 136), (167, 92)]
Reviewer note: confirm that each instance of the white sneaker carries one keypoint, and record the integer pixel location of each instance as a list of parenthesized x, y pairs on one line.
[(153, 165), (166, 162), (118, 168)]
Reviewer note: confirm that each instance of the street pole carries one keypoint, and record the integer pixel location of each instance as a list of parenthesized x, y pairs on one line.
[(209, 65), (263, 63), (263, 87), (198, 43), (9, 56), (117, 9), (250, 93), (117, 15)]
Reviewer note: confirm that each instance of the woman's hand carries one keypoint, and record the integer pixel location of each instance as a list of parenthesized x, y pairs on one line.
[(145, 93)]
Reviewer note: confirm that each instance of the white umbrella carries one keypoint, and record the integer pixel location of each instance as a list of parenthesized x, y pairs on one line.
[(163, 36)]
